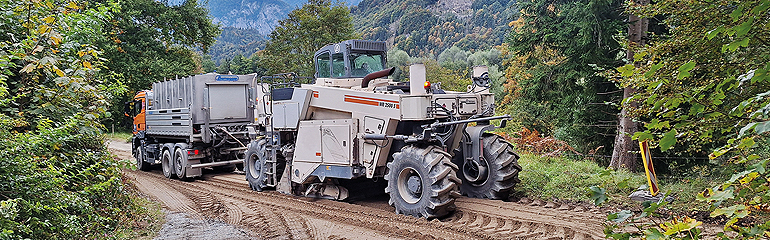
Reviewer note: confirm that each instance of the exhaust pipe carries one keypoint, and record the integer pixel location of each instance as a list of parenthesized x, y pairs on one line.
[(378, 74)]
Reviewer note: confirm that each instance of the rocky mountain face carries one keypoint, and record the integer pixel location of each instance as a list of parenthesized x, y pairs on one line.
[(260, 15)]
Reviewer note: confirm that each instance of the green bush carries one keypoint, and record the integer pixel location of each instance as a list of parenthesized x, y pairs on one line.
[(59, 183)]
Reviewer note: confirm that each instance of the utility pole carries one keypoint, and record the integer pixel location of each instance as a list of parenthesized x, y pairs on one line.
[(622, 157)]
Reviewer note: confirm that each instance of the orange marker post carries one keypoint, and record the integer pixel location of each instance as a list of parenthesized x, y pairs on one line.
[(652, 180)]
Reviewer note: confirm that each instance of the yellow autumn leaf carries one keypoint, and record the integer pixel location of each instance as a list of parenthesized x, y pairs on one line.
[(58, 72), (56, 40), (73, 5), (42, 29), (81, 53), (87, 64), (49, 19)]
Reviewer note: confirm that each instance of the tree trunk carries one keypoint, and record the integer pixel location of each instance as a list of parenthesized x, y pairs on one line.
[(622, 155)]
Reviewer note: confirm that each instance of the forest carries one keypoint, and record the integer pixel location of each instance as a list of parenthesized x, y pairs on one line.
[(583, 79)]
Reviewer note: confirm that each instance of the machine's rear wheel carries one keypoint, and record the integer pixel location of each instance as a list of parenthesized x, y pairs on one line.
[(495, 175), (167, 164), (254, 165), (140, 163), (422, 182)]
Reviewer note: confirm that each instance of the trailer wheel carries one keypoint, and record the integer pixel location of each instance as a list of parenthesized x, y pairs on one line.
[(495, 175), (180, 163), (254, 165), (140, 163), (165, 161), (422, 182)]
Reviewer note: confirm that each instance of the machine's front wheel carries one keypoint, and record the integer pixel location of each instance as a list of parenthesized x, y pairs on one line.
[(422, 182), (254, 165), (496, 172), (167, 164), (141, 164)]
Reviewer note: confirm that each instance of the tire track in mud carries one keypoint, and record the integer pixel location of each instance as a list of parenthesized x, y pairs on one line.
[(509, 220), (276, 216), (516, 220)]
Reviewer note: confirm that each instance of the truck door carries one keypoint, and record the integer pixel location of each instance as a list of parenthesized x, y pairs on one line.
[(136, 110)]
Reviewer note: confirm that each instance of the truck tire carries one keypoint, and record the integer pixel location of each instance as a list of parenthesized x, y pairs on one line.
[(180, 163), (422, 182), (141, 164), (501, 174), (167, 163), (254, 164)]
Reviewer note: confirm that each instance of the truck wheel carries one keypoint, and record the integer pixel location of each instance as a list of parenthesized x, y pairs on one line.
[(180, 163), (140, 163), (496, 174), (422, 182), (165, 161), (254, 165)]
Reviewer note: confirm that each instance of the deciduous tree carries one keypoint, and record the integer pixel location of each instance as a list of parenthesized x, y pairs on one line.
[(307, 29)]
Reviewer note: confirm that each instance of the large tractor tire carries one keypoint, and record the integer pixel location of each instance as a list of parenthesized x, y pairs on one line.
[(496, 174), (254, 165), (141, 164), (180, 161), (167, 163), (422, 182)]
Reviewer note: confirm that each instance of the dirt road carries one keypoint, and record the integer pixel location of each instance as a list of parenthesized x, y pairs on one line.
[(271, 215)]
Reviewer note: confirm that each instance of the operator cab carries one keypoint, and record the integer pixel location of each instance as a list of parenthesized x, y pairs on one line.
[(347, 63)]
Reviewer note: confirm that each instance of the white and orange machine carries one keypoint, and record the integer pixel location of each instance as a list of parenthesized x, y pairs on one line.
[(349, 122)]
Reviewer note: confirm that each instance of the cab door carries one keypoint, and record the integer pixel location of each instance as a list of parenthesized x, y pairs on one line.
[(136, 110)]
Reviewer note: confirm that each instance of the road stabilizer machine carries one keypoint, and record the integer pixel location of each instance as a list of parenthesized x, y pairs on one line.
[(308, 136)]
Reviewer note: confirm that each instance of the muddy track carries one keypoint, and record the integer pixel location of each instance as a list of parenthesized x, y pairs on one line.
[(271, 215)]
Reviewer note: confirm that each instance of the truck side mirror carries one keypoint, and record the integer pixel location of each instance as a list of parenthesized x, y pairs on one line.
[(127, 109)]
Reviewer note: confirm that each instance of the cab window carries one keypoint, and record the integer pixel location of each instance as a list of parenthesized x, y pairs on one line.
[(364, 63), (323, 65), (338, 65)]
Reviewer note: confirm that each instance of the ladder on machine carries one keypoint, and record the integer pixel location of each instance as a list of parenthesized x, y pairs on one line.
[(283, 80)]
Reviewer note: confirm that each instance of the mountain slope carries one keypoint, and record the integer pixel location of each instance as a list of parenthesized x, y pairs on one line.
[(261, 15), (428, 27)]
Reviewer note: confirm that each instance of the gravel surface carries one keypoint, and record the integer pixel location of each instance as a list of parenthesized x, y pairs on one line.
[(182, 226)]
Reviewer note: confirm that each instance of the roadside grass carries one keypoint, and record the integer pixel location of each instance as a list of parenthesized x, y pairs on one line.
[(146, 219), (119, 136), (549, 178)]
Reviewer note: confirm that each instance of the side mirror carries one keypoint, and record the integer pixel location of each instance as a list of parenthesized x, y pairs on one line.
[(127, 108)]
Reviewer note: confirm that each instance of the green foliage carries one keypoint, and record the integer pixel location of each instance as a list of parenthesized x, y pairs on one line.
[(241, 65), (148, 41), (556, 49), (704, 87), (57, 181), (307, 29), (705, 78), (647, 226), (151, 40), (50, 63)]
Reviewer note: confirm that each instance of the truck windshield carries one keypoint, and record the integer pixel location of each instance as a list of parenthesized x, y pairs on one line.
[(365, 63)]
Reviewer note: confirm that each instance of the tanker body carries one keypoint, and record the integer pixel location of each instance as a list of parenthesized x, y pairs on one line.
[(192, 123)]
